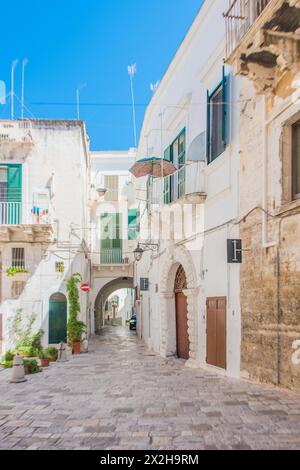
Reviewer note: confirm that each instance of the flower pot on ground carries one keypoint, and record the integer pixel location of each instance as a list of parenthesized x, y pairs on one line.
[(44, 358), (51, 353), (31, 366), (76, 347)]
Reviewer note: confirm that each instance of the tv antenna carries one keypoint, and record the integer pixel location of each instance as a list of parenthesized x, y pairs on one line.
[(132, 69)]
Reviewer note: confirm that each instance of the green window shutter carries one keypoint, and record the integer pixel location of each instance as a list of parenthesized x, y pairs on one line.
[(14, 183), (225, 108), (133, 229), (14, 194), (167, 181), (208, 132)]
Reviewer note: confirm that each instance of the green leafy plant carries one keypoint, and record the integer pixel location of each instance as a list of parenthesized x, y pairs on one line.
[(26, 342), (32, 365), (7, 364), (75, 327), (8, 356), (50, 353), (12, 271)]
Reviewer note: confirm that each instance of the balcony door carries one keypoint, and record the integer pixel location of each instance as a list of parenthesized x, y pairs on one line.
[(111, 239), (10, 194), (174, 185)]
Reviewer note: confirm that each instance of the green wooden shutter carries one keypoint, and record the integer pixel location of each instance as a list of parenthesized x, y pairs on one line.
[(225, 108), (167, 182), (133, 229), (14, 194), (208, 132)]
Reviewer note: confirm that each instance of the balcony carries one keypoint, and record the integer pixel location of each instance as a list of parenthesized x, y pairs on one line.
[(21, 222), (186, 185), (114, 262), (262, 40)]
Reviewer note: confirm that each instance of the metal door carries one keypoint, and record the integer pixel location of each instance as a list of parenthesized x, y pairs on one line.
[(216, 332)]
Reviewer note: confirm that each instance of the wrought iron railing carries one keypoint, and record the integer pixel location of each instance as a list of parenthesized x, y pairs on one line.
[(239, 18), (189, 179), (113, 256), (16, 213)]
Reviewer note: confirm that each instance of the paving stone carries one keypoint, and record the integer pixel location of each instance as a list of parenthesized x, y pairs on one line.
[(120, 396)]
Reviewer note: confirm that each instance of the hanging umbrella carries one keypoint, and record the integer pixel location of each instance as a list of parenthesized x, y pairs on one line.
[(153, 166)]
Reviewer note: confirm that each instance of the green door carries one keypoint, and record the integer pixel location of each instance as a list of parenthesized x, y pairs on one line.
[(111, 239), (57, 319)]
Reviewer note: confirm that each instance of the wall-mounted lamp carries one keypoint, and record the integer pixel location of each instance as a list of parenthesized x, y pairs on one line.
[(142, 247), (101, 192)]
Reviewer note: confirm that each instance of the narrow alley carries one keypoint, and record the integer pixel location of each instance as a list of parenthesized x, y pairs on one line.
[(120, 396)]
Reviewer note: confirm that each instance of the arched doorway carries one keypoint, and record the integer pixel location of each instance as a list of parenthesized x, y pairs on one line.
[(57, 318), (181, 309), (103, 294)]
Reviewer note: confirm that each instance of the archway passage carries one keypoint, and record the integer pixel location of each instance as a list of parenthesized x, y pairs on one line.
[(57, 318), (104, 293), (182, 336)]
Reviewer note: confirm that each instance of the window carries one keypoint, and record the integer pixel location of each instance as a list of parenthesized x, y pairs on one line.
[(10, 194), (296, 159), (175, 184), (111, 183), (133, 224), (59, 267), (17, 288), (18, 258), (217, 119)]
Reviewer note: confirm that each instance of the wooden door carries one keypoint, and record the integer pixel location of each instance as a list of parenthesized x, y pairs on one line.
[(57, 319), (216, 337), (182, 336)]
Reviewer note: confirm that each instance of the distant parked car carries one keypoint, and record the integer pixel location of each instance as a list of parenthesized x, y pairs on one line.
[(132, 323)]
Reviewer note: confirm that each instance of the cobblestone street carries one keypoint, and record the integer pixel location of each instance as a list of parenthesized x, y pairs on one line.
[(120, 396)]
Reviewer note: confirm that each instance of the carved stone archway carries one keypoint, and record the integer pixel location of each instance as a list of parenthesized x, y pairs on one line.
[(171, 263)]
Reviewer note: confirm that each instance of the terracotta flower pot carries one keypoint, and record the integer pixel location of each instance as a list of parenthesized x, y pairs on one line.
[(45, 362), (77, 347), (26, 370)]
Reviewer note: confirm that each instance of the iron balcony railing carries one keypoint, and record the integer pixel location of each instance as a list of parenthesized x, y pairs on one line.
[(239, 18), (189, 179), (113, 256), (18, 213)]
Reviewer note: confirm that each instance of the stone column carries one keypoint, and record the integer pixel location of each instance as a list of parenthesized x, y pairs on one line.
[(166, 323), (193, 326)]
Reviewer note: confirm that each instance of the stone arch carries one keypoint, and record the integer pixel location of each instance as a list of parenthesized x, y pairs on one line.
[(104, 293), (175, 258)]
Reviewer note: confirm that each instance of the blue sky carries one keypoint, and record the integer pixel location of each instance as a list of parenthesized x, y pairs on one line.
[(69, 42)]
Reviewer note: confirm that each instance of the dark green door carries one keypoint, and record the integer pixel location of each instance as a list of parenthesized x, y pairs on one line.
[(14, 194), (57, 319)]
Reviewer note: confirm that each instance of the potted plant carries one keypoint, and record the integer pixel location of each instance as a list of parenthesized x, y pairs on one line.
[(51, 353), (75, 327), (31, 366), (44, 359), (7, 360)]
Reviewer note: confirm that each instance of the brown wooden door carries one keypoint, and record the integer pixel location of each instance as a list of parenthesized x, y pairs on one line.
[(216, 332), (182, 336)]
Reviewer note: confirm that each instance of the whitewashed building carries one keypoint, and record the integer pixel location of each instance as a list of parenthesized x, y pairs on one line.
[(43, 222), (114, 228), (191, 305)]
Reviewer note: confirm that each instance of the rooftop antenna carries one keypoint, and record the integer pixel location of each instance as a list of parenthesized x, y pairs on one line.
[(24, 63), (132, 69), (154, 86), (13, 66), (79, 88)]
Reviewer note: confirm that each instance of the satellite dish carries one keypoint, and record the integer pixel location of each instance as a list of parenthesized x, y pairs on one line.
[(197, 149)]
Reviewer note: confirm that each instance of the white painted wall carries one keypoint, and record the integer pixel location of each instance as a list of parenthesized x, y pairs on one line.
[(59, 152), (180, 102)]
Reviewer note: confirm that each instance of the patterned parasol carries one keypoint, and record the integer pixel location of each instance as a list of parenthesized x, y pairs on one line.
[(153, 166)]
